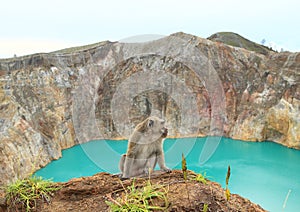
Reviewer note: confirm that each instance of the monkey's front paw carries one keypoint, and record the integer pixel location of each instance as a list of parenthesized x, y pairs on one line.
[(166, 169), (124, 178), (118, 175)]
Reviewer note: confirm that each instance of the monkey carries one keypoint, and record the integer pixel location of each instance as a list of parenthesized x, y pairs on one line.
[(145, 149)]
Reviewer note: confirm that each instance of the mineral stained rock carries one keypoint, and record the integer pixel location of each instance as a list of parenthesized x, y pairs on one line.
[(49, 102)]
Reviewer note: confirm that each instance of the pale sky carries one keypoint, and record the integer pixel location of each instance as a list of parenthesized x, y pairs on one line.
[(32, 26)]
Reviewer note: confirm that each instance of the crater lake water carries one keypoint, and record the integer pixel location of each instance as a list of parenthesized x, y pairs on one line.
[(266, 173)]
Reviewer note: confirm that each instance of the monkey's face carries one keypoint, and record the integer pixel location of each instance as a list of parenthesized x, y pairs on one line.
[(157, 126)]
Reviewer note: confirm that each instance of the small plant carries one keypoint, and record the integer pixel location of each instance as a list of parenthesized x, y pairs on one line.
[(26, 192), (184, 167), (205, 207), (140, 199), (201, 178), (227, 191)]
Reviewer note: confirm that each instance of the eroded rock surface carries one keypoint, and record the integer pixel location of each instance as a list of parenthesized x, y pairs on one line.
[(49, 102)]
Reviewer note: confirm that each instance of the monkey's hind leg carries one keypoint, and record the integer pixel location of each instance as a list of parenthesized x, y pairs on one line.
[(121, 165), (129, 167)]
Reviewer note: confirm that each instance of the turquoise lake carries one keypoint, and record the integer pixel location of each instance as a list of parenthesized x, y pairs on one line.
[(266, 173)]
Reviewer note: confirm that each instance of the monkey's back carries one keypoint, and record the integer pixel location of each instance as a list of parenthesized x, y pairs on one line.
[(143, 150)]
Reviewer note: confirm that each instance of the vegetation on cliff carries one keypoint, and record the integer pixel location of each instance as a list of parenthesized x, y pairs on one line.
[(24, 194), (236, 40)]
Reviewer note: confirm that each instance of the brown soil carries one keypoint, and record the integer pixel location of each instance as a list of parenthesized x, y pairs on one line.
[(90, 194)]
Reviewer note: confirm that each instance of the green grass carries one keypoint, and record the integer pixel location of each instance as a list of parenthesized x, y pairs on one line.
[(24, 193), (147, 198), (236, 40), (201, 178), (205, 207)]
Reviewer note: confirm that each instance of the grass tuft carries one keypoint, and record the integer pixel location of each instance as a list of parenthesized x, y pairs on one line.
[(24, 193), (201, 178), (205, 207), (140, 199)]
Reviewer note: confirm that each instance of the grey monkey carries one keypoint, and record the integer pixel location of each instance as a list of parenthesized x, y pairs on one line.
[(145, 149)]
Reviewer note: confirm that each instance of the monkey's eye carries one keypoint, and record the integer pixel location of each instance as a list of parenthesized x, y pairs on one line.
[(151, 123)]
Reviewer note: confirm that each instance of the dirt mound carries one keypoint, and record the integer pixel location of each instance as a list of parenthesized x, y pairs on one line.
[(90, 194)]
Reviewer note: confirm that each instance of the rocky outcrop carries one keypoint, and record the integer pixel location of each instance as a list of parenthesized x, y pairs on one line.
[(49, 102), (93, 193)]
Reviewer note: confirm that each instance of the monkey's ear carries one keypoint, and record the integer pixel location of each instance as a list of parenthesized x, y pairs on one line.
[(150, 123)]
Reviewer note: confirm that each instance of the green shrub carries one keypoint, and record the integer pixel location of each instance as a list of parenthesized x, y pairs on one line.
[(25, 193)]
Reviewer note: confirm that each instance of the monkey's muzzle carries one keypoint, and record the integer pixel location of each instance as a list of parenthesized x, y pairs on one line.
[(165, 132)]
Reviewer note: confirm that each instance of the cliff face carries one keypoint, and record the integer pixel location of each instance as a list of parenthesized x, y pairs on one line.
[(49, 102)]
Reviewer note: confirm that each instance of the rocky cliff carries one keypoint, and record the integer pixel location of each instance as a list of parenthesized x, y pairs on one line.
[(49, 102)]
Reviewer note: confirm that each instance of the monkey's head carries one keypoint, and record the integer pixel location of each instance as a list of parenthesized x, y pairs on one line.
[(157, 126), (150, 130)]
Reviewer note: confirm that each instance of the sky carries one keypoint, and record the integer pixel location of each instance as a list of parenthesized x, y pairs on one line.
[(33, 26)]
